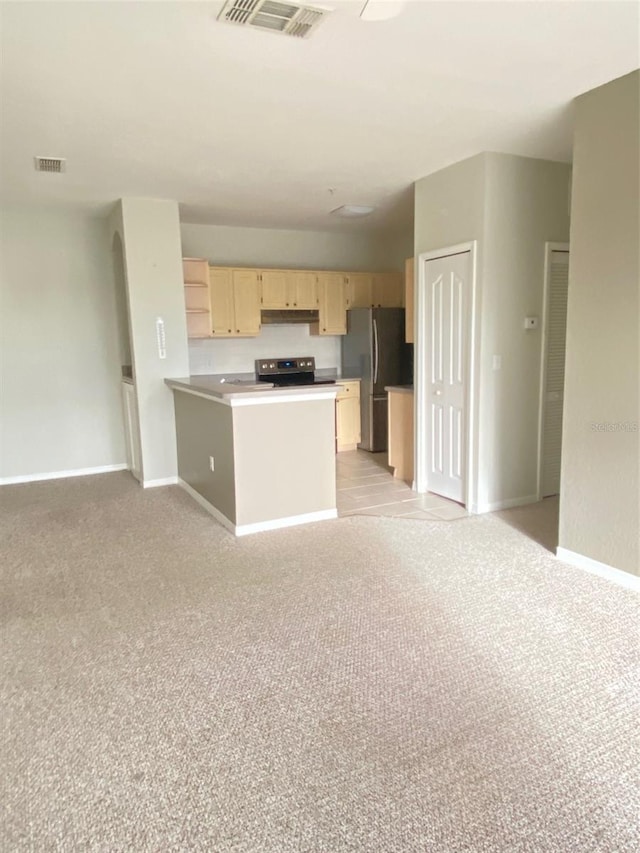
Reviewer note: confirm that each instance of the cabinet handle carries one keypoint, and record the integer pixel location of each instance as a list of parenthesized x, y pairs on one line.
[(295, 304), (287, 304), (237, 331), (229, 331)]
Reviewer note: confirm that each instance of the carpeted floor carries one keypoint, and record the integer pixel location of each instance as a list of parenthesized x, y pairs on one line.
[(365, 684)]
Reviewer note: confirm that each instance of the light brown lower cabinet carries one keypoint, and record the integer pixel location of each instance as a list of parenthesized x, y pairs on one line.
[(401, 434), (348, 415)]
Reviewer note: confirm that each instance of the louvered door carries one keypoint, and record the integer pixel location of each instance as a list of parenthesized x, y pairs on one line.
[(556, 325)]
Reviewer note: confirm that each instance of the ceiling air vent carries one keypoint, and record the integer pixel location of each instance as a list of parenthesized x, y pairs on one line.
[(50, 164), (288, 18)]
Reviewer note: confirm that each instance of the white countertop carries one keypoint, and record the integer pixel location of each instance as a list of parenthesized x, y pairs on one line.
[(248, 394), (402, 389)]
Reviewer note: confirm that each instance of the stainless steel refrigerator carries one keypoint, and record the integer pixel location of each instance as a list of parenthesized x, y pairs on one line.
[(374, 350)]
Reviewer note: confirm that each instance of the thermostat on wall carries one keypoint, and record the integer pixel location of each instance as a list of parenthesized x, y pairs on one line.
[(531, 322)]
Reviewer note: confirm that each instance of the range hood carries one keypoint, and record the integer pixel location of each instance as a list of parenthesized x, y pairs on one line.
[(277, 317)]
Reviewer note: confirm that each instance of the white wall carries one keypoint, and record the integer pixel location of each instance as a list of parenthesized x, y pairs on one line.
[(511, 206), (150, 234), (237, 355), (60, 363), (600, 491), (225, 245)]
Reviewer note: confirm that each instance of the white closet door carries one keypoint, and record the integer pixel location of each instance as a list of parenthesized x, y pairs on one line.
[(447, 282), (557, 288)]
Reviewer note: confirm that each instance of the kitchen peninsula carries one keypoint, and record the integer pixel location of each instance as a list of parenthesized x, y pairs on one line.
[(256, 457)]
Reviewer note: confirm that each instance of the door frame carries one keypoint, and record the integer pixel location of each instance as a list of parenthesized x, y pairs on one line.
[(421, 372), (544, 341)]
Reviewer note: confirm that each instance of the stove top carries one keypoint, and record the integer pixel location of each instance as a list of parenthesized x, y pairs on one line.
[(290, 371)]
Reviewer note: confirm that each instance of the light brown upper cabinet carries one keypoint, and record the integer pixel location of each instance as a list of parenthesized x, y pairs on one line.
[(387, 290), (304, 289), (332, 313), (409, 286), (374, 290), (358, 289), (275, 288), (235, 302), (288, 289), (195, 273)]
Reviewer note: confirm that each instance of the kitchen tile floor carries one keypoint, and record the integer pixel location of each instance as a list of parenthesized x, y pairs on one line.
[(365, 486)]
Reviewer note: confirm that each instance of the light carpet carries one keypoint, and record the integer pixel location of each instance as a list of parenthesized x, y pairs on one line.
[(365, 684)]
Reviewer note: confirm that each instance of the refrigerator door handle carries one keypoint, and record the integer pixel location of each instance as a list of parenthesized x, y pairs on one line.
[(375, 351)]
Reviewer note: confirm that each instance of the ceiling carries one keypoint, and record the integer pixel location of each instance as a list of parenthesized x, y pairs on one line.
[(245, 127)]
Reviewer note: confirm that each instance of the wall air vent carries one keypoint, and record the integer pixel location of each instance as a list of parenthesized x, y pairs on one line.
[(50, 164), (290, 19)]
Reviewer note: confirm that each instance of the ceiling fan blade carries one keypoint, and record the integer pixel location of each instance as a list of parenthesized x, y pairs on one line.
[(381, 10)]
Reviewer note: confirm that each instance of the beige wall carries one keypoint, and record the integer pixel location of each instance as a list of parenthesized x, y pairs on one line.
[(60, 396), (511, 206), (526, 205), (270, 461), (205, 429), (285, 460), (269, 247), (600, 500), (150, 233)]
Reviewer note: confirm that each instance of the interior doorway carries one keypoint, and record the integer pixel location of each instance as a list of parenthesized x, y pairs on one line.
[(554, 324), (445, 373)]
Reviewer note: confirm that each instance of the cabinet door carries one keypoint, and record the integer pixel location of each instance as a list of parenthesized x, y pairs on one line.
[(358, 290), (347, 423), (221, 299), (388, 290), (408, 300), (276, 285), (303, 290), (331, 307), (246, 300)]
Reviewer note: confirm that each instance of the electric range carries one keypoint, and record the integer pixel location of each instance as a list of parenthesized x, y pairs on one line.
[(290, 371)]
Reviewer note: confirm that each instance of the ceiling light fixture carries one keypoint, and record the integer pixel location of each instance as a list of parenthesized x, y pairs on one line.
[(381, 10), (351, 211)]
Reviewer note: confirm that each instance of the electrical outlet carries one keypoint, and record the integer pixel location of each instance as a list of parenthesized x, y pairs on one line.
[(211, 464), (531, 323)]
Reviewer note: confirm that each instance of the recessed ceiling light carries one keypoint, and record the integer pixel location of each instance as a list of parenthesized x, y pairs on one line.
[(352, 210)]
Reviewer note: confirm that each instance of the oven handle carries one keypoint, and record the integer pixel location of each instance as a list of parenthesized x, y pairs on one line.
[(375, 351)]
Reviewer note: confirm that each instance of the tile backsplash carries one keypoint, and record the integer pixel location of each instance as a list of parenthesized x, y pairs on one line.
[(237, 355)]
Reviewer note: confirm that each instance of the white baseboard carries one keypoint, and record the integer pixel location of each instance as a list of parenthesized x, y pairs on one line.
[(165, 481), (478, 509), (289, 521), (260, 526), (595, 567), (60, 475)]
